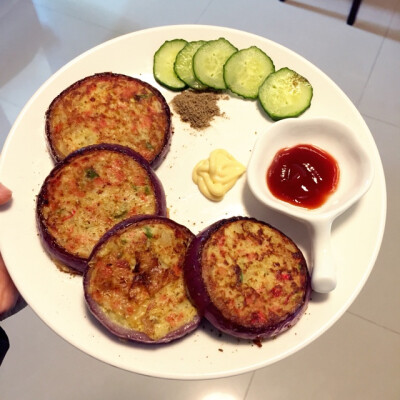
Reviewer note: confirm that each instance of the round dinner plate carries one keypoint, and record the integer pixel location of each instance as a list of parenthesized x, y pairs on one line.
[(57, 297)]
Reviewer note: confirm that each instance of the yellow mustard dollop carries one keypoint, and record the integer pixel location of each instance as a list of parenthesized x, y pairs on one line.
[(217, 174)]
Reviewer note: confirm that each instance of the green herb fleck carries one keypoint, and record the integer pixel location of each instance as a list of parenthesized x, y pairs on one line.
[(142, 96), (149, 146), (147, 232), (121, 214), (90, 173), (147, 190), (238, 273)]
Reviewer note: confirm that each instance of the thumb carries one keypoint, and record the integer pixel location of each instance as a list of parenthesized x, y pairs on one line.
[(5, 194)]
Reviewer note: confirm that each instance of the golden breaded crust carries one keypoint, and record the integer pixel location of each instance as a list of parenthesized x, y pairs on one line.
[(254, 275), (136, 278), (109, 108), (90, 192)]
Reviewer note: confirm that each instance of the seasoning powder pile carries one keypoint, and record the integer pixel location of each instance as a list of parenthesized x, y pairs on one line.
[(197, 108)]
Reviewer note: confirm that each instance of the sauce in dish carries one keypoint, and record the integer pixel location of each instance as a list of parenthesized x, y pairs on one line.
[(303, 175)]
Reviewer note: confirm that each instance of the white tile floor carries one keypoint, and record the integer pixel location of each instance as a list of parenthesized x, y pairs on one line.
[(359, 357)]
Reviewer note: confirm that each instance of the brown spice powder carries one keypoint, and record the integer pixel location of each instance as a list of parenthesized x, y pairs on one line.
[(198, 108)]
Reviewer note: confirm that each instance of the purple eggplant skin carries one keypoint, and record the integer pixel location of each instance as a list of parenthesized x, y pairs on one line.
[(136, 336), (77, 263), (158, 159), (98, 313), (199, 295)]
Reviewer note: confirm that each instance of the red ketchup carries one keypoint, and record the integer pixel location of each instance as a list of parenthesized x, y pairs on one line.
[(303, 175)]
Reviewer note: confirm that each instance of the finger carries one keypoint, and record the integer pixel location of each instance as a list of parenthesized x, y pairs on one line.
[(5, 194)]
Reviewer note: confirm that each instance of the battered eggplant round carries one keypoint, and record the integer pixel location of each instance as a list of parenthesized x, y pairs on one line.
[(247, 278), (109, 108), (90, 191), (134, 281)]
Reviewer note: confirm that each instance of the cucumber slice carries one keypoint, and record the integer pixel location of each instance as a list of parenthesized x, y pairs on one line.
[(184, 65), (163, 64), (246, 70), (285, 94), (209, 60)]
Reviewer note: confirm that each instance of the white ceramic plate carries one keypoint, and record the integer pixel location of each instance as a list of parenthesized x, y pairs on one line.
[(58, 298)]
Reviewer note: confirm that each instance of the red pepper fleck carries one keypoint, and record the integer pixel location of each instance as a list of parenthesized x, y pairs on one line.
[(257, 317), (287, 299), (69, 216), (58, 127), (276, 291), (285, 276)]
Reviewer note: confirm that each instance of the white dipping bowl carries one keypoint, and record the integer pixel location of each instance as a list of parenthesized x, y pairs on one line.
[(356, 175)]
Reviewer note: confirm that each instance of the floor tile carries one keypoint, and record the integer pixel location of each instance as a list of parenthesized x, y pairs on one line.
[(381, 98), (67, 37), (354, 360), (8, 114), (373, 15), (52, 369), (54, 39), (18, 53), (125, 16), (380, 296)]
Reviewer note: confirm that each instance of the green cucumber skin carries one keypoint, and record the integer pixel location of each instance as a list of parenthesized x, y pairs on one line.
[(184, 65), (208, 65), (241, 66), (163, 64), (278, 113)]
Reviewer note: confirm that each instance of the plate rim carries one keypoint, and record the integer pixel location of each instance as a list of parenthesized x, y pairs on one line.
[(380, 171)]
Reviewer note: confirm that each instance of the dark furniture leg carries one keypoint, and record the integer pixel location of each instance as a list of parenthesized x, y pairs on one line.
[(353, 12)]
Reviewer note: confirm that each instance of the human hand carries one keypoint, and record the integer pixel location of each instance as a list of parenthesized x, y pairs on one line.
[(8, 292)]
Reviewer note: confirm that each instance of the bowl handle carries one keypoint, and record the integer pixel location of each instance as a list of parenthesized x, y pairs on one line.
[(323, 273)]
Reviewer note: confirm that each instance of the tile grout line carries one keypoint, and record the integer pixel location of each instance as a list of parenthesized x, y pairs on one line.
[(373, 322), (371, 70), (249, 385), (204, 10), (383, 121)]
